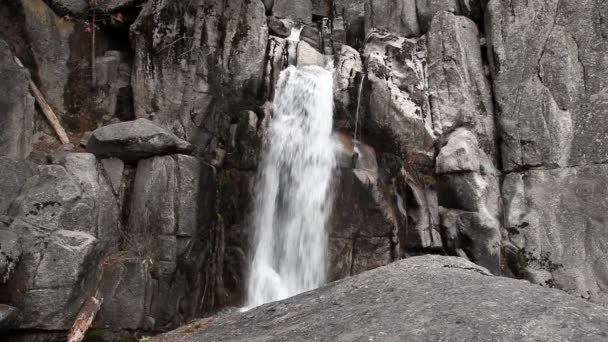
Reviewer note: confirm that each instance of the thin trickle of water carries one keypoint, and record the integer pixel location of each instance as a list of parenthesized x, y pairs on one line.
[(295, 33), (358, 108), (293, 197)]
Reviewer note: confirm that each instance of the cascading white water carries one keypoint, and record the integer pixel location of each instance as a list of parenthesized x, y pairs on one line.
[(293, 197)]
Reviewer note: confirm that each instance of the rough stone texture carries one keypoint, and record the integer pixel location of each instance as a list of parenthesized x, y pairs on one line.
[(50, 45), (9, 317), (555, 219), (158, 281), (392, 304), (73, 7), (348, 80), (16, 107), (113, 97), (427, 9), (395, 16), (468, 187), (398, 115), (299, 10), (134, 140), (352, 13), (548, 58), (64, 216), (186, 84), (307, 55), (460, 94), (15, 174)]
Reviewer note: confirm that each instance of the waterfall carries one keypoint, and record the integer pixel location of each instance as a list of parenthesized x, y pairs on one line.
[(293, 197)]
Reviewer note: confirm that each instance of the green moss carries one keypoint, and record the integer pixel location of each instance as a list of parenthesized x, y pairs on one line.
[(482, 169)]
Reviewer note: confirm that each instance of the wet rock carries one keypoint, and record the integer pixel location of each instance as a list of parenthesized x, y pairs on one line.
[(392, 303), (134, 140), (395, 16), (16, 107)]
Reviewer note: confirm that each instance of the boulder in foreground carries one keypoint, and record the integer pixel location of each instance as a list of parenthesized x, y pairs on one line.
[(134, 140), (428, 298)]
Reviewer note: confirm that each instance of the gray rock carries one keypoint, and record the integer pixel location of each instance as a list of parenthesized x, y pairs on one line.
[(183, 90), (49, 40), (16, 107), (298, 10), (14, 173), (395, 16), (10, 252), (114, 169), (397, 112), (555, 220), (307, 55), (349, 70), (113, 5), (460, 93), (163, 270), (427, 9), (134, 140), (9, 317), (352, 13), (113, 77), (280, 27), (468, 187), (392, 303), (73, 7), (549, 54)]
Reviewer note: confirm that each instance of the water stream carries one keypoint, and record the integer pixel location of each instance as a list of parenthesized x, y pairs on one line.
[(293, 197)]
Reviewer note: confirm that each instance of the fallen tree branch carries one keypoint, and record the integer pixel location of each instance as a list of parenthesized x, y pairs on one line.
[(85, 318), (47, 110)]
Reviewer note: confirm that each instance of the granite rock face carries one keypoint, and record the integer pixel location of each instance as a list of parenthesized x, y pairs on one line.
[(554, 219), (391, 304), (550, 54), (187, 85), (16, 107)]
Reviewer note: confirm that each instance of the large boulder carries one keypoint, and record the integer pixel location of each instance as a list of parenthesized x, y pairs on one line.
[(427, 298), (16, 107), (548, 65), (134, 140), (555, 221)]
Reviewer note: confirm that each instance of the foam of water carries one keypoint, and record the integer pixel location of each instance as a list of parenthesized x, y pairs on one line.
[(293, 197)]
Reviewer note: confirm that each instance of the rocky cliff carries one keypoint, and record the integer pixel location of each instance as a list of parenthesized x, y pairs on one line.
[(470, 128)]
